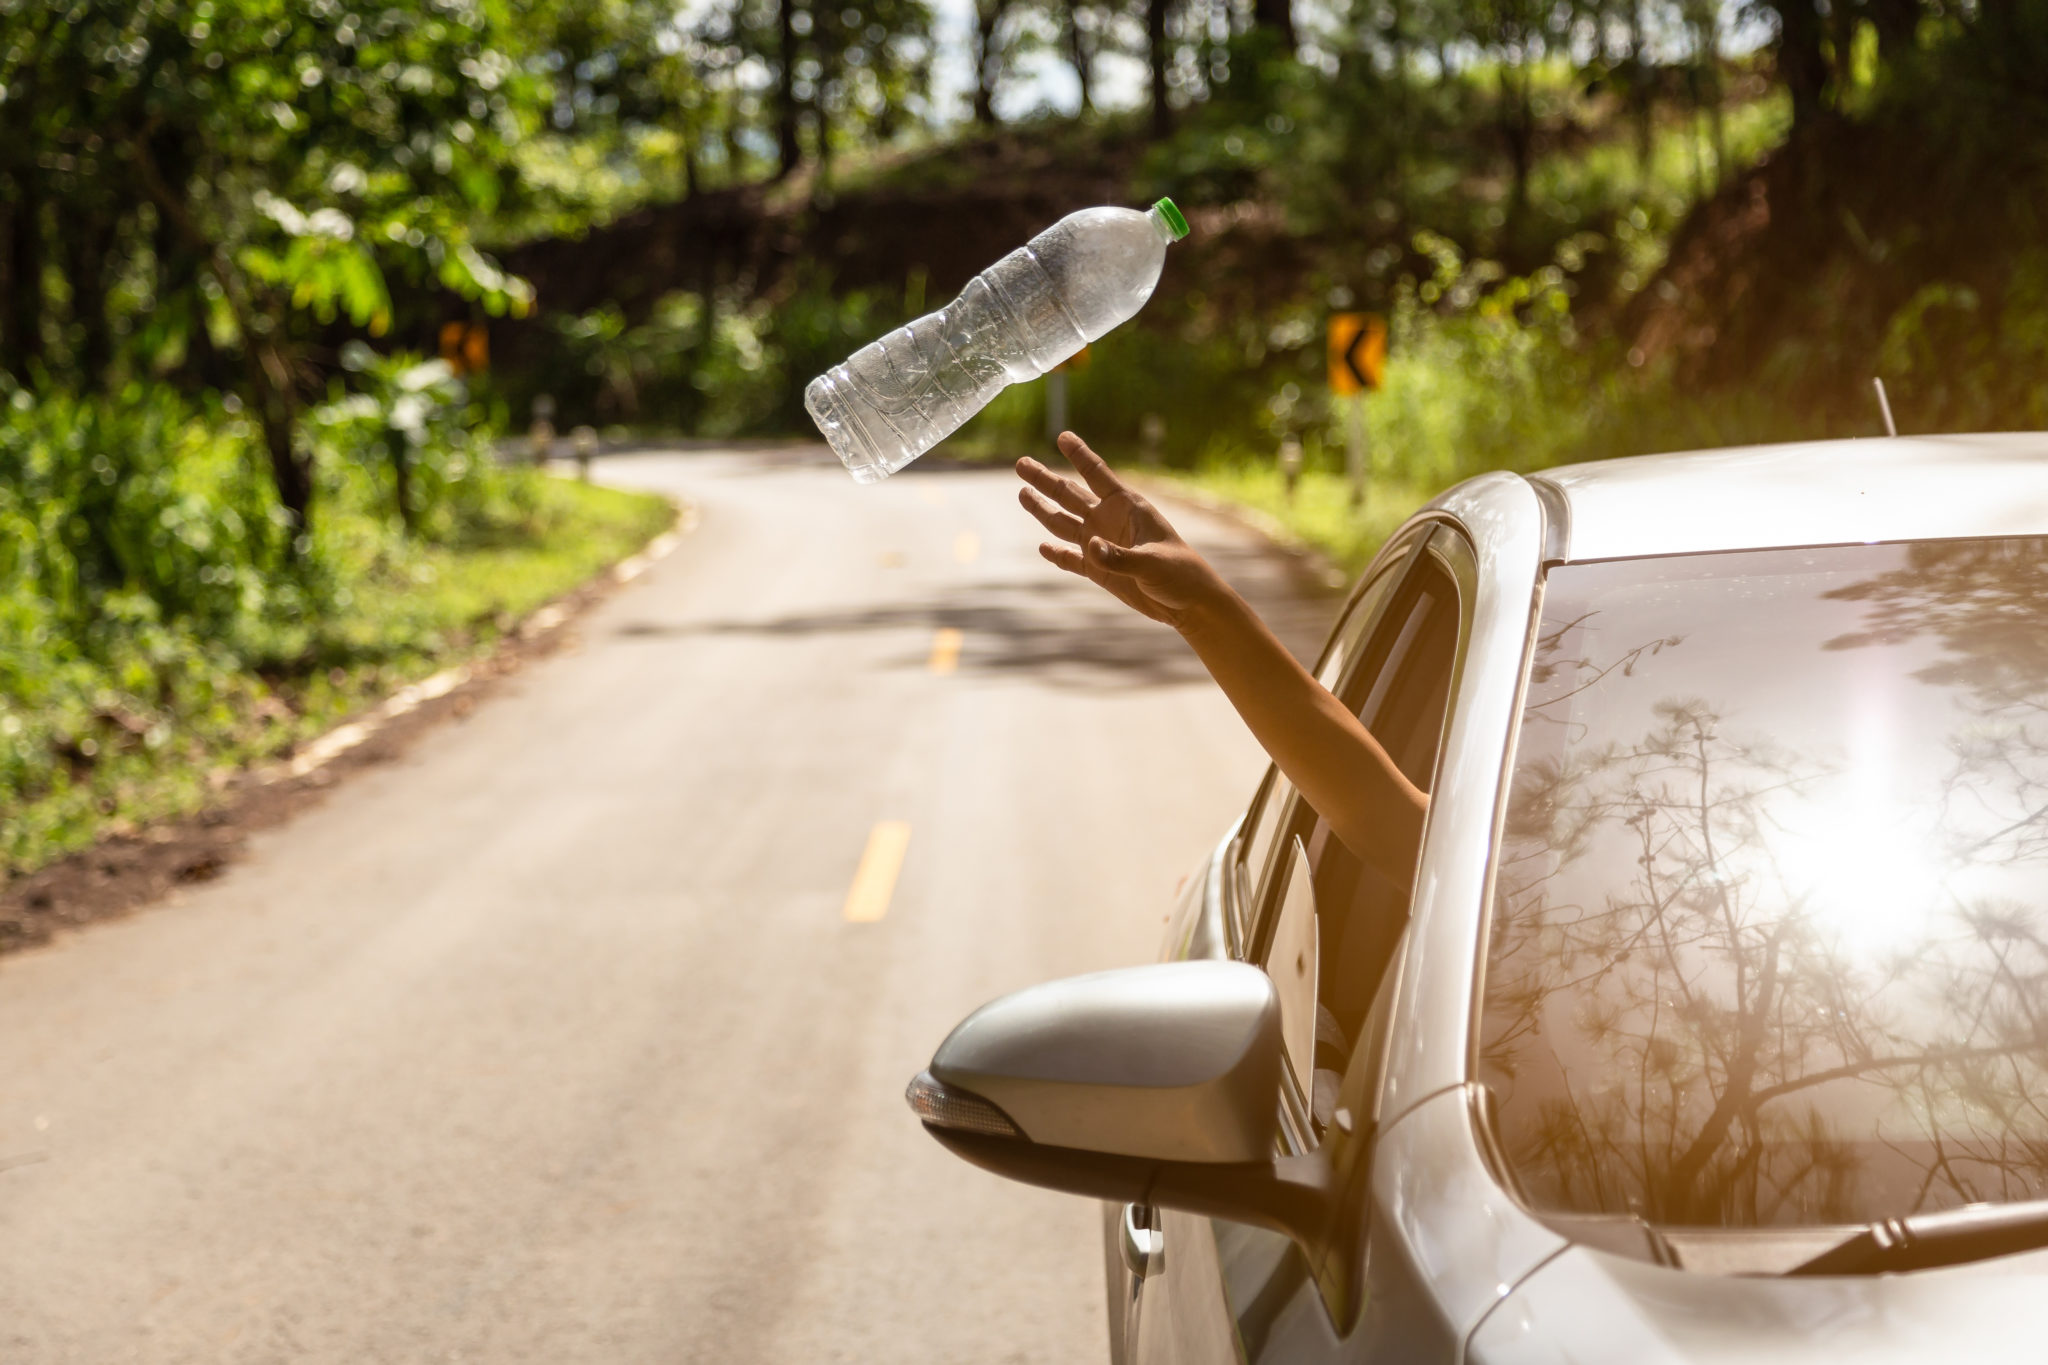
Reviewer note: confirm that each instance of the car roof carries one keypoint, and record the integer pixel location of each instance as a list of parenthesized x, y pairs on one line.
[(1809, 493)]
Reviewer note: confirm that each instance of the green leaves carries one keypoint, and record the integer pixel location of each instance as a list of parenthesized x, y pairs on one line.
[(470, 273), (322, 268)]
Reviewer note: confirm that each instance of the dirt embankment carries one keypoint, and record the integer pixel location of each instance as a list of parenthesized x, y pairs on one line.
[(1888, 248)]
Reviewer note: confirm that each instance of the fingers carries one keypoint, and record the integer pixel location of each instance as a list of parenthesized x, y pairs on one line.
[(1060, 489), (1124, 589), (1142, 563), (1065, 525), (1064, 557), (1090, 466)]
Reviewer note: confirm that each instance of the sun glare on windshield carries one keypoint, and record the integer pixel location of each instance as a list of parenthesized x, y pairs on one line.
[(1771, 916)]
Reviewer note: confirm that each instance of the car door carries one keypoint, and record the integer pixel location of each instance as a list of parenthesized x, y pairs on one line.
[(1226, 1292)]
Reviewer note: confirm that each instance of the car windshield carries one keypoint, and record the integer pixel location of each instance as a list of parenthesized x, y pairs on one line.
[(1769, 942)]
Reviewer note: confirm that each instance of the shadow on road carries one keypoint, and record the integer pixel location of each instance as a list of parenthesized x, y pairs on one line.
[(1068, 645), (1055, 630)]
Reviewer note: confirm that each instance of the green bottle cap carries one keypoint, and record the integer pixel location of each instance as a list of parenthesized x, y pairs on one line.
[(1174, 222)]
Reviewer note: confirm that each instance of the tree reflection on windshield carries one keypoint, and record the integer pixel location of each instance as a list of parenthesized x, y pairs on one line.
[(1769, 941)]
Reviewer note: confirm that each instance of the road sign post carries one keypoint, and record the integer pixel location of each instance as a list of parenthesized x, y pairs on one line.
[(1357, 455), (1358, 362), (1151, 438), (1290, 465)]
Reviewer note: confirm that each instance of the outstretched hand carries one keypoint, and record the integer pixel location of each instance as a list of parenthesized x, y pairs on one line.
[(1117, 539), (1114, 537)]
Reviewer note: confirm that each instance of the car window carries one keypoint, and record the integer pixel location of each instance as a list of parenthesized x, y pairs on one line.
[(1769, 937), (1268, 1285), (1274, 802), (1398, 685), (1292, 959)]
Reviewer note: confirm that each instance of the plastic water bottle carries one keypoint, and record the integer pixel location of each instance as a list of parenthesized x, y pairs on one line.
[(899, 397)]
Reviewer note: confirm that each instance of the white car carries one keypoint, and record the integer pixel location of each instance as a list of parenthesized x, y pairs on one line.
[(1716, 1025)]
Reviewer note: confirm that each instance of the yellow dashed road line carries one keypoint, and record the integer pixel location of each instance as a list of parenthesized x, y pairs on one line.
[(874, 881), (945, 650)]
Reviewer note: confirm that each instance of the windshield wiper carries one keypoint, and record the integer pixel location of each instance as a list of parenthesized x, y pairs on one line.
[(1923, 1241)]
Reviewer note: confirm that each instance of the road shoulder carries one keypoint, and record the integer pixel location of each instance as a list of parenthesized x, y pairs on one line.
[(128, 871)]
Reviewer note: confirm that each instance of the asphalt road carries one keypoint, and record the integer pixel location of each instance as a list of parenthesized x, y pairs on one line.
[(550, 1041)]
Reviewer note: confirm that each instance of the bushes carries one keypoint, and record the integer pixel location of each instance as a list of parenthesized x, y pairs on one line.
[(158, 624), (134, 549), (740, 368)]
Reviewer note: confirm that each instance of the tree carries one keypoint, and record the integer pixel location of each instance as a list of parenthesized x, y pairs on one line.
[(1802, 59), (1276, 17), (788, 151), (1080, 50), (991, 54), (1517, 35), (280, 158), (872, 66), (1158, 58)]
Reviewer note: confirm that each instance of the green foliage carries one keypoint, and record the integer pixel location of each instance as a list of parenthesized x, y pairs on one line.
[(734, 368), (1319, 515), (304, 149), (413, 419), (155, 628), (1483, 369), (1213, 382)]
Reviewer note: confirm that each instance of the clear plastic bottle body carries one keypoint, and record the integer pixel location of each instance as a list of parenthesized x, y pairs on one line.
[(897, 398)]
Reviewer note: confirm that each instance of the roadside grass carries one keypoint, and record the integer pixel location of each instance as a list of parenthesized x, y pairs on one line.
[(443, 602), (398, 612), (1318, 517)]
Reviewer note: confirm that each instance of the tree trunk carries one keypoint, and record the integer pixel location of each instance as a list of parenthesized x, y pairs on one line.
[(21, 323), (1157, 57), (178, 270), (1716, 96), (1641, 106), (270, 391), (1277, 18), (729, 144), (86, 249), (401, 479), (1518, 131), (988, 19), (1692, 134), (1898, 24), (7, 229), (266, 369), (789, 152), (1078, 54), (821, 129), (705, 330), (290, 473), (1802, 64)]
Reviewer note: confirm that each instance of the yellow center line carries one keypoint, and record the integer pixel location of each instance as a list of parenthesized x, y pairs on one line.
[(874, 881), (945, 650), (966, 547)]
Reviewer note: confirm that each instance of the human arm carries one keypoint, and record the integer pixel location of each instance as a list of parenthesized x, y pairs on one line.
[(1119, 541)]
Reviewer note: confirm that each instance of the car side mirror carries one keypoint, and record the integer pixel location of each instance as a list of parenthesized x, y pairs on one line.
[(1151, 1085)]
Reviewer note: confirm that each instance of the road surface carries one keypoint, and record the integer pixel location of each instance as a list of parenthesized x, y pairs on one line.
[(552, 1041)]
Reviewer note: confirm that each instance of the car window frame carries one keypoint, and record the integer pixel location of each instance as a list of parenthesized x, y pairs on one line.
[(1250, 887), (1449, 552)]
